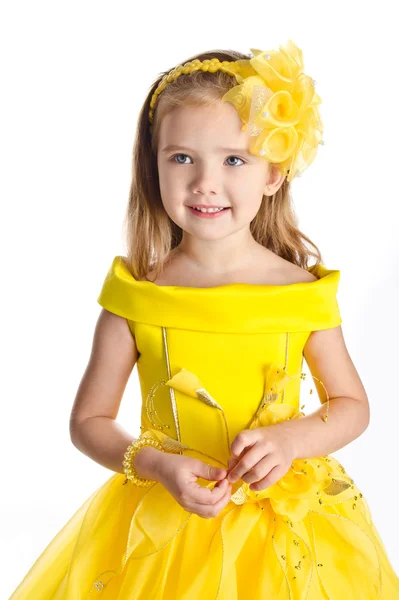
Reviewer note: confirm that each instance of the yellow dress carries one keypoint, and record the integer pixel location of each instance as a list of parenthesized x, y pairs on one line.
[(212, 362)]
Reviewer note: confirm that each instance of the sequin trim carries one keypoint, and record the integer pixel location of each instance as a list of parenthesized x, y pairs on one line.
[(309, 553)]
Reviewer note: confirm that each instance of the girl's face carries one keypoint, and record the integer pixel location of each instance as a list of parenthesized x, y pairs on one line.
[(203, 159)]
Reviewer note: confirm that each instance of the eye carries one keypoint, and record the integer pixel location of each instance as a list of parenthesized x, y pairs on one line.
[(174, 156), (183, 163), (243, 161)]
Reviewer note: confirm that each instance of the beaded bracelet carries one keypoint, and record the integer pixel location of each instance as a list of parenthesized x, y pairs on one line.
[(128, 463)]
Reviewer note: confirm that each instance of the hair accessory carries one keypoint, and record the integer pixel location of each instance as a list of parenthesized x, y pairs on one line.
[(128, 463), (276, 101)]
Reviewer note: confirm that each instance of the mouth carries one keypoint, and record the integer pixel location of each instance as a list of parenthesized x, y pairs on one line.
[(208, 211)]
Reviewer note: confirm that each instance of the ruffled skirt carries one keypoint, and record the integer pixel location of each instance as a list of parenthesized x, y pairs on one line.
[(131, 543)]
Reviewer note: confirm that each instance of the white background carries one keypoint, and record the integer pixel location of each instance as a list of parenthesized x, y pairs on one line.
[(74, 76)]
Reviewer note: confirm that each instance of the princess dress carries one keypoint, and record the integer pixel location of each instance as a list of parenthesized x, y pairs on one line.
[(212, 362)]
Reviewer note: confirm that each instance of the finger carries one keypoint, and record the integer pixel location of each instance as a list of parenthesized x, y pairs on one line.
[(248, 460), (211, 511), (244, 440), (205, 495), (261, 470), (232, 462), (275, 475)]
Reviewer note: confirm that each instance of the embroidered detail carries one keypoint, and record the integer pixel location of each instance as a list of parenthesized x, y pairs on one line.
[(149, 406)]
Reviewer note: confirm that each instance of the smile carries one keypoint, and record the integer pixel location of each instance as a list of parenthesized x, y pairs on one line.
[(208, 212)]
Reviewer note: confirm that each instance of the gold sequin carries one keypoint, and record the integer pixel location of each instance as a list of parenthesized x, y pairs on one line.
[(99, 585)]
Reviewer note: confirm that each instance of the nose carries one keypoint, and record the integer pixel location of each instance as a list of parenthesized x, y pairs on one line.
[(206, 182)]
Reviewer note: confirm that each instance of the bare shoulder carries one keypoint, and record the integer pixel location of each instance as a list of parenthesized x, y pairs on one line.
[(299, 275), (291, 273)]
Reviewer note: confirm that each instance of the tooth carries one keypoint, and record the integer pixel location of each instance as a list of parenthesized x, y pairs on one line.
[(208, 210)]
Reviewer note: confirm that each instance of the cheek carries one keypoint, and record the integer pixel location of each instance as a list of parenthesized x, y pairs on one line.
[(173, 204), (171, 184), (247, 205)]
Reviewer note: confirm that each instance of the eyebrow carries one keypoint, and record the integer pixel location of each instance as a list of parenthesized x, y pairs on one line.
[(172, 147)]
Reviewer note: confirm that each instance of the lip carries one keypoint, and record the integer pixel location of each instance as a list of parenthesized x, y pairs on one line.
[(207, 205), (204, 215)]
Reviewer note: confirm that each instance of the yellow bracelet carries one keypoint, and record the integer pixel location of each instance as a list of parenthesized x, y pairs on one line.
[(128, 463)]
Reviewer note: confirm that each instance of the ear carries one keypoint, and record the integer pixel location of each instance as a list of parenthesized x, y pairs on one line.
[(275, 181)]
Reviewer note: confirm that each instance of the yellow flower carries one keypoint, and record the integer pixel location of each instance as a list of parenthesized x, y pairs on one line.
[(291, 494), (278, 105), (279, 69)]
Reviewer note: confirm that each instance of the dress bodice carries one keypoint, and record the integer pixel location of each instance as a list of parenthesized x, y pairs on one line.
[(227, 336)]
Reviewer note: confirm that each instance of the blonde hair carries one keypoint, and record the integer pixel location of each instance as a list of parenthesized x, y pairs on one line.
[(150, 233)]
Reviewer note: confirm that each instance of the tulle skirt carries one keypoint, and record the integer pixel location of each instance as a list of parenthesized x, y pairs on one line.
[(132, 543)]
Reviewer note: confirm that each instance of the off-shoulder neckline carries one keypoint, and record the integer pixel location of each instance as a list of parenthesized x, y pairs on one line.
[(228, 308)]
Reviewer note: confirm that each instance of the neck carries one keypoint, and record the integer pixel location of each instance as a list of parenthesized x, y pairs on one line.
[(219, 257)]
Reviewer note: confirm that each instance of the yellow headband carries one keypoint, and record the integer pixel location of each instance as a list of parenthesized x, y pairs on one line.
[(275, 100)]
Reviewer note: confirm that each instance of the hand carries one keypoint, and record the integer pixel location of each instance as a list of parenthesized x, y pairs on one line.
[(179, 474), (261, 456)]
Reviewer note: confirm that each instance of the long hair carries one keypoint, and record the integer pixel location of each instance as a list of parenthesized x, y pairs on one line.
[(150, 233)]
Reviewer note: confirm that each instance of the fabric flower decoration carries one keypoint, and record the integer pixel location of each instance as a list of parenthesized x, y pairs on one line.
[(293, 493), (278, 105)]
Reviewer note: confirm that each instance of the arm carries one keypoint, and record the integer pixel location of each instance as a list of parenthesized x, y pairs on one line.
[(93, 427), (349, 411)]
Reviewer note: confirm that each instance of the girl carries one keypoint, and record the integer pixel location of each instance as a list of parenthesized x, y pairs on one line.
[(229, 491)]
